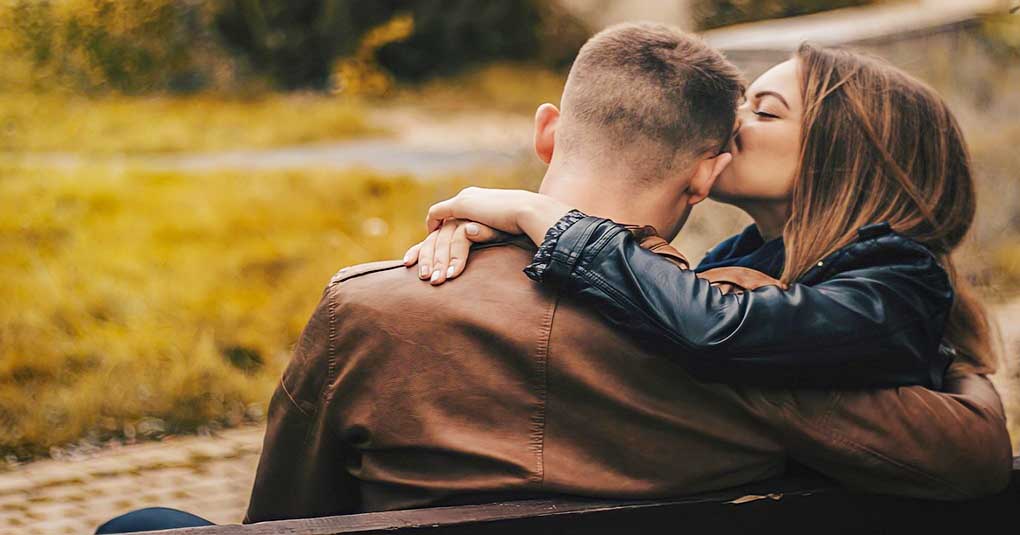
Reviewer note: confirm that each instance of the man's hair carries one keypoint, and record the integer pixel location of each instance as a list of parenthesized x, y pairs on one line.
[(637, 82)]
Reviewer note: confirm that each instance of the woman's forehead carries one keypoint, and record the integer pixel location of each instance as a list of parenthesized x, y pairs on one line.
[(783, 78)]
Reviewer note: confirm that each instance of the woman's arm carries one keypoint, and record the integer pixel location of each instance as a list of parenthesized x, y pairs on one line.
[(512, 211), (877, 323), (877, 320)]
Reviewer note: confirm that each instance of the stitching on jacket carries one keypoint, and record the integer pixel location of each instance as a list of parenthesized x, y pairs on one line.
[(600, 244), (331, 353), (541, 386), (569, 260)]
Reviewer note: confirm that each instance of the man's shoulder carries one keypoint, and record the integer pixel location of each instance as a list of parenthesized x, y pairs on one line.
[(360, 270), (487, 263), (386, 292)]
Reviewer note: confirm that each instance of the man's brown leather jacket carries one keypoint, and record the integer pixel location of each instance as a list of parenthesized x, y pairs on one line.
[(400, 394)]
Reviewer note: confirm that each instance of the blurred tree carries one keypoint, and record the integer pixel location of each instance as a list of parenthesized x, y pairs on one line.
[(452, 34), (135, 46), (359, 73), (294, 42), (297, 42), (715, 13), (126, 45)]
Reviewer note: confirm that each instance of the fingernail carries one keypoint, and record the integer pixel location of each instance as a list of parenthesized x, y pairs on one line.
[(407, 258), (435, 276), (449, 272), (424, 271), (472, 229)]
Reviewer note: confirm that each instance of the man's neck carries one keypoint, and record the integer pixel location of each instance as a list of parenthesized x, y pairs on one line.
[(607, 194)]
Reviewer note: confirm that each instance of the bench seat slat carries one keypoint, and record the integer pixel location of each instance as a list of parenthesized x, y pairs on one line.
[(794, 505)]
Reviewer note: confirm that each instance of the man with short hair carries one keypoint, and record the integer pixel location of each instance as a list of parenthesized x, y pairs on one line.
[(401, 394)]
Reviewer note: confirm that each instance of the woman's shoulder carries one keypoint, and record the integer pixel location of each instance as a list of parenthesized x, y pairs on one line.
[(879, 248)]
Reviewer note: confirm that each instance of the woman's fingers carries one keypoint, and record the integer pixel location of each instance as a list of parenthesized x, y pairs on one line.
[(479, 233), (426, 250), (441, 255), (468, 232), (439, 212), (460, 248), (451, 246), (411, 256)]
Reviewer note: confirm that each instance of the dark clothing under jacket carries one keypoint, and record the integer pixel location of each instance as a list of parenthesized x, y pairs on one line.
[(747, 249), (400, 394), (870, 314)]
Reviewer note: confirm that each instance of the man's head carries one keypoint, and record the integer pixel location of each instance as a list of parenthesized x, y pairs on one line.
[(648, 101)]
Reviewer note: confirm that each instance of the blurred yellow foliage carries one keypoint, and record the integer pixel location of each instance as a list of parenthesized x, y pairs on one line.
[(360, 74), (1004, 28), (59, 122), (1007, 262), (98, 45), (130, 294), (396, 29)]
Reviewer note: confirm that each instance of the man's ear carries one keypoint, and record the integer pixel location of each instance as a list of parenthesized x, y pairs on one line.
[(547, 117), (705, 173)]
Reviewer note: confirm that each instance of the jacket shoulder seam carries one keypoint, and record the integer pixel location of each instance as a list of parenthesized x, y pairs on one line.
[(361, 270), (293, 402)]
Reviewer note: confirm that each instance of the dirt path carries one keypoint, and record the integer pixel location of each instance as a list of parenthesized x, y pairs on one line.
[(422, 143), (209, 476)]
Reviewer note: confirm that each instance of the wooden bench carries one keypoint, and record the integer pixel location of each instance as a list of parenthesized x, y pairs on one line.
[(803, 504)]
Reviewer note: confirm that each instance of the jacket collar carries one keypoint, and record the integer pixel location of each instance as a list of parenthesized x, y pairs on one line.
[(648, 238)]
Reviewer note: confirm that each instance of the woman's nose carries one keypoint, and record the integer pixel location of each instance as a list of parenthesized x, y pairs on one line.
[(743, 112)]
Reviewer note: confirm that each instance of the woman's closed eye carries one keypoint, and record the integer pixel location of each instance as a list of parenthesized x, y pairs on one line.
[(765, 115)]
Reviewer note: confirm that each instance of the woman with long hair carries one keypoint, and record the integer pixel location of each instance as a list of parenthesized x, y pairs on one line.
[(858, 180)]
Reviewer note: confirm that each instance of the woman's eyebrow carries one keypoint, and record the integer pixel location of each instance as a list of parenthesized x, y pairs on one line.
[(774, 94)]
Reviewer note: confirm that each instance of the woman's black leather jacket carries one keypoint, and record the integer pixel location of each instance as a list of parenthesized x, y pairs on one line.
[(871, 314)]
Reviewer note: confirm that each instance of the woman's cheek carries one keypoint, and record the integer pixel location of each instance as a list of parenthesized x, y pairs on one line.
[(735, 181)]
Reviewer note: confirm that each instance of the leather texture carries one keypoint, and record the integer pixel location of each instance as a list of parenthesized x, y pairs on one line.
[(400, 394), (870, 314)]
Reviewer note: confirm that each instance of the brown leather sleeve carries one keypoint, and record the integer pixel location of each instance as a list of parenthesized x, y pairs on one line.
[(906, 441), (301, 470), (734, 279)]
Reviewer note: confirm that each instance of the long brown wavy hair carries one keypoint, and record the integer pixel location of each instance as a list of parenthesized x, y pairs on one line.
[(879, 145)]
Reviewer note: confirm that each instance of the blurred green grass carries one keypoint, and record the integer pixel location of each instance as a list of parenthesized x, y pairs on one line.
[(504, 87), (128, 124), (134, 295)]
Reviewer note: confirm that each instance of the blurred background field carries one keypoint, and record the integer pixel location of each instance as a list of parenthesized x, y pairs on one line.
[(143, 297), (142, 303)]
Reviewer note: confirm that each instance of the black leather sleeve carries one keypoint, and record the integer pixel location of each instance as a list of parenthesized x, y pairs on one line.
[(873, 315)]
